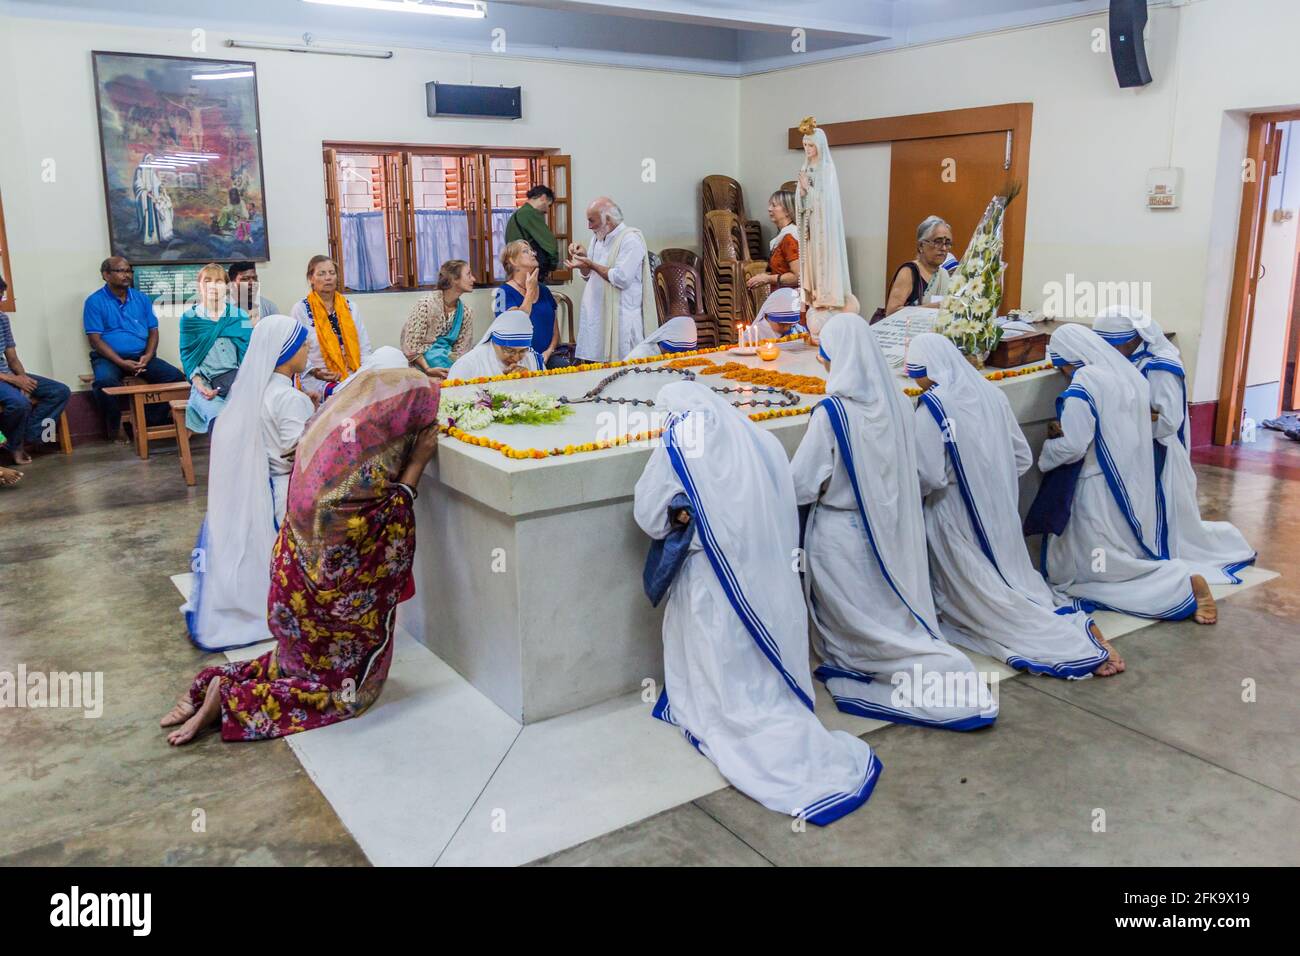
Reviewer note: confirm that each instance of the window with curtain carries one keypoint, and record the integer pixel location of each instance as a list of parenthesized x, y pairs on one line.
[(395, 214)]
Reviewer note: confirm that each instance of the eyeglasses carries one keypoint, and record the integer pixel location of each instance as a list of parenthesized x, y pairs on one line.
[(128, 269), (939, 243)]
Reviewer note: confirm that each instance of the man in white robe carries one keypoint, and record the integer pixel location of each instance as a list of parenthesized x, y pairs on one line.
[(1112, 552), (1216, 548), (971, 453), (248, 480), (736, 678), (867, 579), (617, 308)]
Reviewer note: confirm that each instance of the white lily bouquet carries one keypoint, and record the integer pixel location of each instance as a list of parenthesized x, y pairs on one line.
[(967, 314), (484, 407)]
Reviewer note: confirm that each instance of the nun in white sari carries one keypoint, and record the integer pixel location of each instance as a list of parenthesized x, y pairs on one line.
[(248, 480), (1112, 551), (507, 347), (970, 453), (1216, 548), (676, 335), (735, 631), (779, 315), (867, 578), (824, 256)]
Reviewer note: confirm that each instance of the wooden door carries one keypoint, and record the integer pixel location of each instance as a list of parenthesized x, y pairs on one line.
[(952, 177), (1261, 162), (333, 226)]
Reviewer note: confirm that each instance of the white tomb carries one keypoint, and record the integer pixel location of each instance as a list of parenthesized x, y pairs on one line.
[(528, 572)]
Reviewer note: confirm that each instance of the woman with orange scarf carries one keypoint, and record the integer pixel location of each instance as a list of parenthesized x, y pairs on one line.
[(337, 340)]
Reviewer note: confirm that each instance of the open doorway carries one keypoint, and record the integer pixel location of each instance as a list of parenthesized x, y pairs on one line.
[(1258, 381)]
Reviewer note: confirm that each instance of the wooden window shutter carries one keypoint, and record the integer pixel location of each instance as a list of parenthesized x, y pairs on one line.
[(477, 201), (333, 224), (394, 218), (558, 174)]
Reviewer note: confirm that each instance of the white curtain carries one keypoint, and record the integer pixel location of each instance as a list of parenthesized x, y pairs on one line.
[(365, 251), (440, 234), (499, 219)]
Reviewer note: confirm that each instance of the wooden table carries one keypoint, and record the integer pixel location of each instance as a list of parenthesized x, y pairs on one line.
[(148, 394)]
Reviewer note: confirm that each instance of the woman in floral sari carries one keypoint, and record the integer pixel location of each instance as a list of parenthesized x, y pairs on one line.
[(340, 566)]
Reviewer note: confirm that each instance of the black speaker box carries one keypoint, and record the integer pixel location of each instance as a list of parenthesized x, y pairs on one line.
[(480, 102), (1128, 18)]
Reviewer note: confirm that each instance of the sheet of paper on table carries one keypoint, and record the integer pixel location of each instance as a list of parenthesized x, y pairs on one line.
[(900, 328)]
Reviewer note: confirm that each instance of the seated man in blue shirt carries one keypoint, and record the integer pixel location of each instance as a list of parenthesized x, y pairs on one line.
[(30, 405), (123, 334)]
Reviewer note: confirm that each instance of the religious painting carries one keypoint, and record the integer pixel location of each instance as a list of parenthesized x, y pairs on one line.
[(182, 156)]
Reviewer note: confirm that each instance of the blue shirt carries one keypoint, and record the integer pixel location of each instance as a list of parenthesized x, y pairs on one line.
[(542, 313), (6, 342), (124, 326)]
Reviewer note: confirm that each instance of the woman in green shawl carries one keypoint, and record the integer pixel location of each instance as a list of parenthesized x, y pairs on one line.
[(214, 338)]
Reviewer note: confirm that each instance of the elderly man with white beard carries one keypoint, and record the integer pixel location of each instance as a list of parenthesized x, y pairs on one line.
[(613, 317)]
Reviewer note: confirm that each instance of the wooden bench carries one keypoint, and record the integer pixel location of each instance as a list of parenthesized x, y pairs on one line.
[(179, 407), (144, 394)]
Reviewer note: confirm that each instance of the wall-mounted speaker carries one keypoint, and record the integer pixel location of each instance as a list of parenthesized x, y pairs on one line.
[(478, 102), (1128, 18)]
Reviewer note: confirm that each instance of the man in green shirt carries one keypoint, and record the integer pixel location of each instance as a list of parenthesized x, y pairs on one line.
[(529, 223)]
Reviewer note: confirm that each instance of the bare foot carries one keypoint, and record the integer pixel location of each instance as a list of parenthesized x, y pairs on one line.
[(1112, 665), (209, 713), (21, 457), (183, 711), (1207, 612), (10, 477)]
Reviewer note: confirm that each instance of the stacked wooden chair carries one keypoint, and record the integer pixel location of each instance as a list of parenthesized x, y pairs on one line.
[(723, 192), (679, 291), (725, 268)]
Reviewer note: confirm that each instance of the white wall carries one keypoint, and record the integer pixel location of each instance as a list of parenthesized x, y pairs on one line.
[(608, 119), (1092, 146), (1214, 61)]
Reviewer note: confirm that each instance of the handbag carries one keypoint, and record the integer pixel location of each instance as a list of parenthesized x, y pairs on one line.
[(221, 383)]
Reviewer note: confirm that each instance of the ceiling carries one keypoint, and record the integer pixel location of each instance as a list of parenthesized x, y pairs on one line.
[(721, 37)]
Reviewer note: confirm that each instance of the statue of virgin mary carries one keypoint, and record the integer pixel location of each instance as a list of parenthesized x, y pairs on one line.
[(824, 272)]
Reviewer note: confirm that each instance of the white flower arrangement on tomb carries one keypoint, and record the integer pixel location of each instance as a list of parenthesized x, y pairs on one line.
[(968, 313), (484, 407)]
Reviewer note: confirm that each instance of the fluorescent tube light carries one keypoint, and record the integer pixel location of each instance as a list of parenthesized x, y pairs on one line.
[(473, 9)]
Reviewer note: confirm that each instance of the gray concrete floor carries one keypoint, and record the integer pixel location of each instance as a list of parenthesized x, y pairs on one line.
[(1185, 771)]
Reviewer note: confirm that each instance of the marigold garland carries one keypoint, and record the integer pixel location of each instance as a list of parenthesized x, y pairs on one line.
[(482, 441), (594, 366)]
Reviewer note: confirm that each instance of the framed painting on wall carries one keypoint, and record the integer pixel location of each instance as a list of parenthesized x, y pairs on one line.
[(181, 147)]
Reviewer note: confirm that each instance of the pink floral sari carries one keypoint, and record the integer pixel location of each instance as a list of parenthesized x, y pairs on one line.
[(340, 567)]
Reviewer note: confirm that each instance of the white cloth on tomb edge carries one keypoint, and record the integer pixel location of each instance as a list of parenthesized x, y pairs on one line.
[(233, 577), (971, 454), (868, 582), (739, 687)]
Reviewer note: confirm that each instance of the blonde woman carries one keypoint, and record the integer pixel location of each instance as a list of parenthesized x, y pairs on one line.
[(524, 291), (214, 338), (440, 328)]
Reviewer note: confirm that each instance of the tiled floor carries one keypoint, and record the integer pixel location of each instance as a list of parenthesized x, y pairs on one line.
[(1183, 769)]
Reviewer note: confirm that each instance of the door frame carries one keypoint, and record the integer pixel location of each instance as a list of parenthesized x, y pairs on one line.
[(1263, 148), (1016, 117)]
